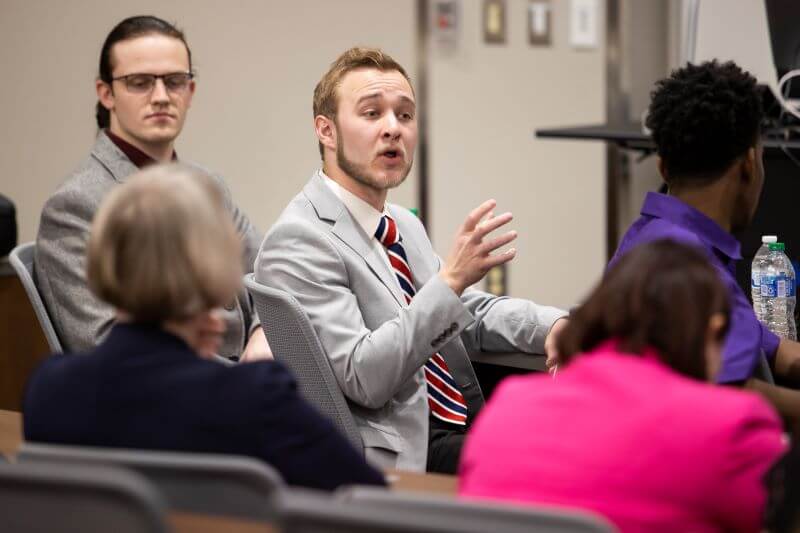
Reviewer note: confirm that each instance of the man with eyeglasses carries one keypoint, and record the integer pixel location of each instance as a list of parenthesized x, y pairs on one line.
[(144, 89)]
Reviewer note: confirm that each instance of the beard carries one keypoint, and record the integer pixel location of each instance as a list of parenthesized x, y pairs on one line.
[(360, 172)]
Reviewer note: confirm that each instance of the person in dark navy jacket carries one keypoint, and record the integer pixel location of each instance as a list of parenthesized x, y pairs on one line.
[(162, 251)]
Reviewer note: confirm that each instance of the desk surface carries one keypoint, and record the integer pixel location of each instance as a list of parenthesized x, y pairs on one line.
[(628, 132), (630, 135), (524, 361), (10, 432), (202, 523), (402, 481)]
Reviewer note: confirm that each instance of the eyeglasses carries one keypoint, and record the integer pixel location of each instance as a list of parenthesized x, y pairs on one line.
[(174, 82)]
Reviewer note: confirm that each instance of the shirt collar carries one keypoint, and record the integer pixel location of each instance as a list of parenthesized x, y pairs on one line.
[(670, 208), (137, 157), (365, 215)]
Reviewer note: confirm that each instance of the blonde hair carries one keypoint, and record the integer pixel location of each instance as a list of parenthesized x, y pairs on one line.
[(326, 100), (163, 246)]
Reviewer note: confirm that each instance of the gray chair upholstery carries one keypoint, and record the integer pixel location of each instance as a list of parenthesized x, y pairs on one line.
[(78, 499), (21, 259), (309, 512), (448, 514), (295, 344), (235, 486)]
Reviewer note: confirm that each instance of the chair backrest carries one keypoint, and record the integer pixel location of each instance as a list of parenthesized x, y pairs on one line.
[(21, 259), (294, 343), (309, 512), (78, 499), (451, 514), (241, 487)]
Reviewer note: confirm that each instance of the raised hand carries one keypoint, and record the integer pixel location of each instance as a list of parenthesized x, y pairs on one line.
[(470, 256)]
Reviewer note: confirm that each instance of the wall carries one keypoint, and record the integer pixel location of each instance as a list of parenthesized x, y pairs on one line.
[(736, 31), (251, 120), (485, 103), (645, 54), (257, 64)]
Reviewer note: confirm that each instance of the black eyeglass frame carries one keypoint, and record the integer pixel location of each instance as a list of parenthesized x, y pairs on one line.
[(155, 77)]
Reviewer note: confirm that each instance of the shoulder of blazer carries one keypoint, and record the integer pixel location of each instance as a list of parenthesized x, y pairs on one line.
[(111, 158)]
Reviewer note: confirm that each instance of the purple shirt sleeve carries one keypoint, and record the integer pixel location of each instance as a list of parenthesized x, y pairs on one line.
[(769, 342), (746, 336)]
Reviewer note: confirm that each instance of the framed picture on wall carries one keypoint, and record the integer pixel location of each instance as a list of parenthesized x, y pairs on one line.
[(494, 21)]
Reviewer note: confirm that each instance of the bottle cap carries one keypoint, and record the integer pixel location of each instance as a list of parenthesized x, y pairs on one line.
[(766, 239), (414, 211), (776, 246)]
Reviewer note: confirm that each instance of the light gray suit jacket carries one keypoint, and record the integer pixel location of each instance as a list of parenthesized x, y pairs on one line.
[(80, 319), (376, 344)]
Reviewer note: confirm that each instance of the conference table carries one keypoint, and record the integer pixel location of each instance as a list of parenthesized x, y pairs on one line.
[(11, 440), (10, 432)]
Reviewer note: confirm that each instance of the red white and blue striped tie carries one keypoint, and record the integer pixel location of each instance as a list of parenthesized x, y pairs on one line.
[(445, 400)]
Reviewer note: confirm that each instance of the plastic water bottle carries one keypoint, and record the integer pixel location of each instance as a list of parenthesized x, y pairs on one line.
[(756, 270), (778, 292)]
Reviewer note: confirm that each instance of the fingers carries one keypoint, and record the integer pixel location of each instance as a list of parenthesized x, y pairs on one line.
[(497, 242), (499, 259), (489, 225), (477, 214)]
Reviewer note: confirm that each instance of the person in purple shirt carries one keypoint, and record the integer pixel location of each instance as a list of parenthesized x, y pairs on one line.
[(705, 121)]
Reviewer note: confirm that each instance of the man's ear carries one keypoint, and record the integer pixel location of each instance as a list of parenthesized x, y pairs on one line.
[(662, 169), (749, 164), (326, 131), (104, 94), (190, 94)]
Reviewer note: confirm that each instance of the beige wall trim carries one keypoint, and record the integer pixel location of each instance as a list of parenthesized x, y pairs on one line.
[(421, 88)]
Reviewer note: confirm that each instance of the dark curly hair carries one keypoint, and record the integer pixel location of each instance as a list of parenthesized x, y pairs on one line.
[(702, 118)]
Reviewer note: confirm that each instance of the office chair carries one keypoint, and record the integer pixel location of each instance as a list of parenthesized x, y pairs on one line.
[(294, 343), (21, 259), (78, 499), (309, 512), (241, 487), (451, 514)]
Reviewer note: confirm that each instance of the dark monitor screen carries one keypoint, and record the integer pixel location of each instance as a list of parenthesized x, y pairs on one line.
[(783, 17)]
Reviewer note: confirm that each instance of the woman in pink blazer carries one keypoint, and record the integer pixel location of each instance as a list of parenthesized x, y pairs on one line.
[(630, 427)]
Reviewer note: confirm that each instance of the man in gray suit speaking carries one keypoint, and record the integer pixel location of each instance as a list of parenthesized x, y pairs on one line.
[(396, 322), (144, 88)]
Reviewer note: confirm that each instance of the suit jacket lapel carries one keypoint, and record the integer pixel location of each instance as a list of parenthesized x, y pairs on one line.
[(416, 259), (330, 208), (111, 157)]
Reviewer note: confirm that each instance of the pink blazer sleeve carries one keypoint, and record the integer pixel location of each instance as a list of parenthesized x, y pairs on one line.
[(752, 444)]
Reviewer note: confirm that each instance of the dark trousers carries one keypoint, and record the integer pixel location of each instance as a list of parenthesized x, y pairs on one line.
[(444, 446)]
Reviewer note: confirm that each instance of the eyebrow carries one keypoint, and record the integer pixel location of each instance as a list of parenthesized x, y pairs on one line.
[(375, 95)]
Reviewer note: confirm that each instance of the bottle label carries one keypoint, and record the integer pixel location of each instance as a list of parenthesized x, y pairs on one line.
[(755, 280), (780, 286)]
